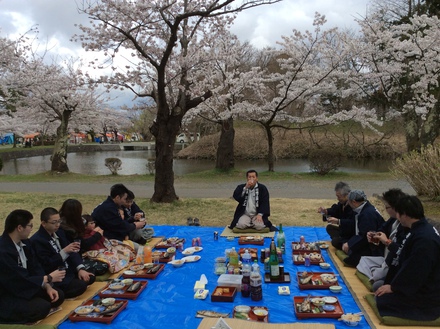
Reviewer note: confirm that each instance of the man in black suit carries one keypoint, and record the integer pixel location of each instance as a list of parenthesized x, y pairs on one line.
[(54, 250), (26, 292)]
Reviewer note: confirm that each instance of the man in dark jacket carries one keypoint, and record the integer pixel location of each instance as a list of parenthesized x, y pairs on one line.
[(54, 250), (414, 290), (253, 209), (337, 212), (367, 218), (108, 215), (26, 291)]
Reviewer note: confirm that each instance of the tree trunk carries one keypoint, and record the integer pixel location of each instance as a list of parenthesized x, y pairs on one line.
[(165, 134), (420, 133), (270, 153), (225, 149), (59, 155)]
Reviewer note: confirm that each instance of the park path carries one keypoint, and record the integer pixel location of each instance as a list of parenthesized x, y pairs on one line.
[(291, 189)]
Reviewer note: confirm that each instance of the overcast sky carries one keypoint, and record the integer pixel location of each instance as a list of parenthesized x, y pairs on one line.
[(262, 26)]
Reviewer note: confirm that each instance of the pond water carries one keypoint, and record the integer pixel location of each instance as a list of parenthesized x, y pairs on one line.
[(134, 162)]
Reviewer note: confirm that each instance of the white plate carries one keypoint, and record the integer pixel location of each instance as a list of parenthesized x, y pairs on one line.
[(83, 310), (190, 259), (129, 272), (330, 300), (194, 249)]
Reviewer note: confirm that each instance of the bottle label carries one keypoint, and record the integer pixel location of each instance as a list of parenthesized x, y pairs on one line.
[(274, 270)]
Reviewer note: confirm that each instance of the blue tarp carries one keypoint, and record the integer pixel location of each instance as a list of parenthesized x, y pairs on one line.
[(7, 138), (168, 301)]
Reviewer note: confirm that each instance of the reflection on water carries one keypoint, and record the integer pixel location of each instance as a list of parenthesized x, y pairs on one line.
[(134, 162)]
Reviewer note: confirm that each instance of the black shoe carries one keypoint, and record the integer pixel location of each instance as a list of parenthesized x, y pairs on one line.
[(189, 221), (196, 222), (350, 262)]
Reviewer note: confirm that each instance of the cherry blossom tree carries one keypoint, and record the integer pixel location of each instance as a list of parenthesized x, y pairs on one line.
[(228, 78), (163, 43), (56, 93), (299, 79), (402, 64)]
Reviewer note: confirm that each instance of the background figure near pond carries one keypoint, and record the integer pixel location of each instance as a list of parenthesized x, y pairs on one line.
[(253, 209)]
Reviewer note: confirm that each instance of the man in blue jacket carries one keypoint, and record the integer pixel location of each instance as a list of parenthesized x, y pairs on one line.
[(26, 291), (109, 215), (367, 218), (413, 292)]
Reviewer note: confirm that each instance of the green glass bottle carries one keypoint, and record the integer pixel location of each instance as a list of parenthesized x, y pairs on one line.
[(281, 240), (273, 262)]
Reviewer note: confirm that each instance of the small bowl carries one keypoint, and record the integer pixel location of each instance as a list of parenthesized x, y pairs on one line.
[(335, 289), (260, 313), (127, 282), (177, 262), (324, 266), (171, 250), (242, 309), (318, 301), (108, 301), (328, 308), (116, 286)]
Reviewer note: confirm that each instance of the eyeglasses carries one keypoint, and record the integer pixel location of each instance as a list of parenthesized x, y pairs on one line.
[(90, 222), (30, 225), (55, 222)]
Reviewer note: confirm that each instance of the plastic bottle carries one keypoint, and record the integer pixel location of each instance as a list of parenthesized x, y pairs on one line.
[(281, 240), (246, 271), (147, 254), (233, 258), (140, 255), (273, 262), (256, 283)]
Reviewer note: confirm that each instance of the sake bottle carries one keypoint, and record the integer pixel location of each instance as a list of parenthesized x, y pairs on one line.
[(273, 262), (281, 240)]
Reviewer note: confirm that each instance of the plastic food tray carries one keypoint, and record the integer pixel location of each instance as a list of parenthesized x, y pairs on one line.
[(142, 274), (123, 293), (301, 262), (96, 317), (316, 276), (326, 314), (307, 250)]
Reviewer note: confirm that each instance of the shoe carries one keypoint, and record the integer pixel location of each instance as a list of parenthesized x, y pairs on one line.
[(196, 222), (189, 221)]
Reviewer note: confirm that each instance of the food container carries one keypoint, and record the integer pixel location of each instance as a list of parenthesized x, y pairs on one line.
[(351, 319), (127, 282), (335, 289), (324, 266), (260, 313), (116, 286), (223, 294), (230, 280), (177, 262)]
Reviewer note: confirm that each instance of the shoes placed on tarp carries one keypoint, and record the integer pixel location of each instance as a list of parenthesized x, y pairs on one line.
[(190, 221), (196, 222)]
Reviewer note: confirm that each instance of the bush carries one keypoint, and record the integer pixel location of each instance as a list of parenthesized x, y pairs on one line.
[(322, 161), (114, 164), (421, 170)]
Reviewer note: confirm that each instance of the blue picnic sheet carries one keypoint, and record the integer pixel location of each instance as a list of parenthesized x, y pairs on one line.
[(168, 301)]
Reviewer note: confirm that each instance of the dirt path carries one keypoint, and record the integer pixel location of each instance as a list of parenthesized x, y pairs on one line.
[(278, 189)]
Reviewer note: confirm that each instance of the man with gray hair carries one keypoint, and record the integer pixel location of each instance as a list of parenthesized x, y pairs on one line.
[(336, 212), (367, 218)]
